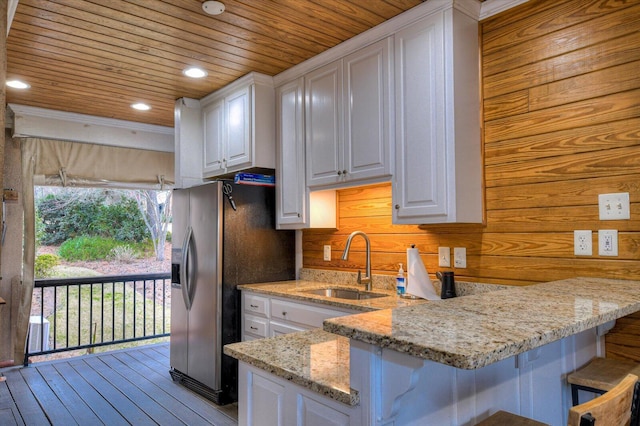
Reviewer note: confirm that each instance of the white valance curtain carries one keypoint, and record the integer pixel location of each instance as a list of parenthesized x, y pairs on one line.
[(62, 163)]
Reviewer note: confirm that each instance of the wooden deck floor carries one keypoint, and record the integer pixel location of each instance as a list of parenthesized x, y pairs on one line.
[(115, 388)]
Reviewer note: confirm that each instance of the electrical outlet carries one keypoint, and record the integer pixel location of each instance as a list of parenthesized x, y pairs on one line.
[(614, 206), (327, 253), (459, 257), (444, 256), (608, 242), (582, 243)]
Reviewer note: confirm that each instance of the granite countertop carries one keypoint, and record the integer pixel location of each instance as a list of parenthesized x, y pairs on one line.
[(477, 330), (314, 359), (295, 289)]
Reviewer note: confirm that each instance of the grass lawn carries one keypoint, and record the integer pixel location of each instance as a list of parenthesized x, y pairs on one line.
[(116, 313)]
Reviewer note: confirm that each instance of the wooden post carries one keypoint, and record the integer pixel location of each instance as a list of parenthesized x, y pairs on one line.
[(5, 313)]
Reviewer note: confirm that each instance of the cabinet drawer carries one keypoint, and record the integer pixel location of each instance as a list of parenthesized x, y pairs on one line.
[(255, 325), (257, 305), (277, 329), (302, 314)]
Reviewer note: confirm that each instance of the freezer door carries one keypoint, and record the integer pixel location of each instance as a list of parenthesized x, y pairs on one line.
[(205, 259), (179, 313)]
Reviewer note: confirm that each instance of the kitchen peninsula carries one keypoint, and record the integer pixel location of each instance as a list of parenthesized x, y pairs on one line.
[(454, 361)]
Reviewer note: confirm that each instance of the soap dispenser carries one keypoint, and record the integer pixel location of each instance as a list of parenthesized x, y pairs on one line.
[(400, 282)]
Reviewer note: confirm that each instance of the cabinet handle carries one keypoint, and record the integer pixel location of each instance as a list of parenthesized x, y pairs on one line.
[(299, 214), (253, 328), (344, 172), (339, 172), (284, 313), (397, 206), (254, 306)]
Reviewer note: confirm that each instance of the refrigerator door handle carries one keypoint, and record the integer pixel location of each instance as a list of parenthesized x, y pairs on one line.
[(185, 274)]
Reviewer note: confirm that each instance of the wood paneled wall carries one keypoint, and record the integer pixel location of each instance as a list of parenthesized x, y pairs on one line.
[(561, 95)]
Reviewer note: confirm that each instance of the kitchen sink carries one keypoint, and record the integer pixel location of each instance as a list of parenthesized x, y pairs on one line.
[(342, 293)]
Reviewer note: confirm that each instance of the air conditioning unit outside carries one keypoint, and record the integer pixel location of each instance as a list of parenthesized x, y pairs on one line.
[(38, 334)]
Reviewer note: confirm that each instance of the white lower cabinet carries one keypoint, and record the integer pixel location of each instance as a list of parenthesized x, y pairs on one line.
[(256, 326), (273, 401), (269, 316), (278, 329), (265, 399), (399, 389)]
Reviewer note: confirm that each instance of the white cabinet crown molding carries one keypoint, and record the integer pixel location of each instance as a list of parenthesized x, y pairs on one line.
[(11, 11), (45, 123), (247, 79), (493, 7)]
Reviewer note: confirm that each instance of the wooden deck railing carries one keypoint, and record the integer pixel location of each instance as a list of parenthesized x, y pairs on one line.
[(82, 313)]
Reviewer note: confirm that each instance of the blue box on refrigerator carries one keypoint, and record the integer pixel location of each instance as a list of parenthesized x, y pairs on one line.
[(255, 179)]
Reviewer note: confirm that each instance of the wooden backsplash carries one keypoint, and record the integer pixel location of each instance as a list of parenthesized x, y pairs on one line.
[(561, 95)]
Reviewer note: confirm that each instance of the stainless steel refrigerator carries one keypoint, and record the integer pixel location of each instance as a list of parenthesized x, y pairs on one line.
[(223, 235)]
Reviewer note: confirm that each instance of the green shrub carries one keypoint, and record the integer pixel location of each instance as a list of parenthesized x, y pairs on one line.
[(87, 248), (44, 265)]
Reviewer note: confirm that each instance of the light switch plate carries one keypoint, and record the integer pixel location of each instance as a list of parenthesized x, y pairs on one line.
[(614, 206), (327, 253), (444, 256), (608, 242), (459, 257)]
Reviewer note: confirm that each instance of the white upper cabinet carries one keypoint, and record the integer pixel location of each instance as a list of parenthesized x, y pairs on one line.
[(296, 206), (400, 102), (368, 132), (323, 124), (438, 163), (214, 146), (188, 142), (291, 200), (239, 126), (347, 118)]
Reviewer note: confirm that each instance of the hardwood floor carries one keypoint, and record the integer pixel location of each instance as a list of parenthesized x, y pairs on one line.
[(115, 388)]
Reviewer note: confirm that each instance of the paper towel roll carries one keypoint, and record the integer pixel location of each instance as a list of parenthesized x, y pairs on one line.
[(419, 283)]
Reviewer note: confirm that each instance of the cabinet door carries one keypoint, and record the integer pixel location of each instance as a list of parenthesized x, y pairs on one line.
[(312, 412), (213, 125), (265, 402), (323, 124), (420, 178), (238, 117), (367, 125), (291, 196)]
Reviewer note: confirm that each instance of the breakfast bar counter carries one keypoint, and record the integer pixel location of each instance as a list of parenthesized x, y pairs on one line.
[(475, 331), (454, 361), (314, 359)]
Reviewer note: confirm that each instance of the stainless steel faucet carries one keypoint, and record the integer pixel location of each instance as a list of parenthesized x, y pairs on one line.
[(345, 255)]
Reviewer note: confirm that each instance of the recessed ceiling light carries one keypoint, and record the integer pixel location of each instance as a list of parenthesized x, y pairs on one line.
[(141, 107), (17, 84), (213, 7), (194, 72)]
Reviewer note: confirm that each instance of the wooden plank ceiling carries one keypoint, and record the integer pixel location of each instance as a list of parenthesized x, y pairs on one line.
[(98, 57)]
